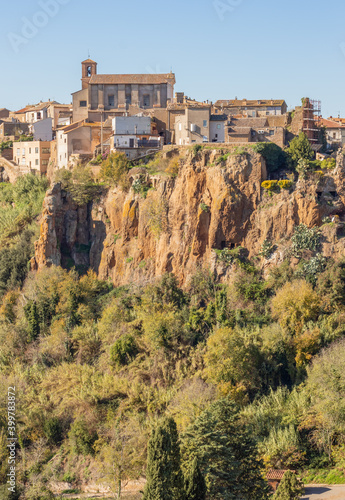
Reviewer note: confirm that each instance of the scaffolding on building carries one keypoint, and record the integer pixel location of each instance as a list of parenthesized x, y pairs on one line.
[(311, 119)]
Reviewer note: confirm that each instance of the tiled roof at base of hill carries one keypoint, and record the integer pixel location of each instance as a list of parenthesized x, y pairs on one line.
[(131, 79), (276, 473), (244, 102)]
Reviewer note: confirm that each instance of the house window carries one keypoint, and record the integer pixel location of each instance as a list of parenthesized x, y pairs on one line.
[(39, 115), (111, 100), (271, 132), (36, 162), (18, 152), (128, 98), (29, 151), (65, 141), (82, 104), (334, 135), (146, 100), (45, 151), (36, 151), (88, 71), (204, 123), (45, 162), (180, 126), (23, 161), (23, 152), (218, 126), (33, 116)]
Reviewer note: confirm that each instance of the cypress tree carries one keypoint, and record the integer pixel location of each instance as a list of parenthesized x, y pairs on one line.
[(195, 485), (164, 475), (290, 487)]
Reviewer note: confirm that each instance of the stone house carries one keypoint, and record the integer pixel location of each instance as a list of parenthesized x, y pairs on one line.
[(4, 113), (251, 108), (112, 95), (335, 132), (32, 156), (10, 131), (193, 125), (80, 138), (254, 130)]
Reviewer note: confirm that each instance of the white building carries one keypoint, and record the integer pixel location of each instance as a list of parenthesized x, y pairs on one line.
[(217, 128)]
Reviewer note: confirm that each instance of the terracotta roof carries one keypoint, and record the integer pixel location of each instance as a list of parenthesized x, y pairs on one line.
[(23, 110), (41, 105), (249, 122), (329, 123), (244, 102), (131, 79), (89, 61), (276, 474), (239, 130)]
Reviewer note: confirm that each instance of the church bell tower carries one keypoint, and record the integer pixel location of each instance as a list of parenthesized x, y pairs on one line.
[(89, 68)]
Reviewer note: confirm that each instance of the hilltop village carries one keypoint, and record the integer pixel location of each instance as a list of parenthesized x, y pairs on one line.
[(172, 295), (141, 113)]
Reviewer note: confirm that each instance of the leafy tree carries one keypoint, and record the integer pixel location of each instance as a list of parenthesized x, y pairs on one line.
[(326, 388), (195, 485), (79, 183), (274, 156), (114, 170), (164, 475), (14, 262), (295, 304), (232, 362), (300, 149), (226, 453), (290, 487)]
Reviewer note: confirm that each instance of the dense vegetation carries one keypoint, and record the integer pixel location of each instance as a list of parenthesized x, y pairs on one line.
[(199, 389)]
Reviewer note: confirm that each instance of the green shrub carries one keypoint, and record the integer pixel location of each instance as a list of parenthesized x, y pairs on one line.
[(204, 207), (196, 148), (123, 351), (305, 238), (53, 430), (285, 184), (82, 438), (267, 248), (274, 156), (271, 186)]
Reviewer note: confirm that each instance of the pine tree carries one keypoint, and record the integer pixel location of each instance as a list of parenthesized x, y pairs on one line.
[(226, 454), (290, 488), (195, 485), (164, 475)]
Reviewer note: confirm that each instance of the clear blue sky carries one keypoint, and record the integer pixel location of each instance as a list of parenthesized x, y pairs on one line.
[(244, 48)]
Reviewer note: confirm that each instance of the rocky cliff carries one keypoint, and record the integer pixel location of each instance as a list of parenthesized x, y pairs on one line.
[(175, 224)]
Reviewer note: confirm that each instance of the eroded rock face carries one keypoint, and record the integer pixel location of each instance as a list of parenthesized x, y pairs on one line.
[(210, 205)]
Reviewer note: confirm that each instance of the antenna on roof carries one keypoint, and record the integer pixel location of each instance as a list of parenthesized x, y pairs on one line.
[(88, 53)]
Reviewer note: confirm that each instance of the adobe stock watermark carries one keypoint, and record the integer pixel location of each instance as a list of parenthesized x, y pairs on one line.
[(31, 27), (223, 7), (153, 71)]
